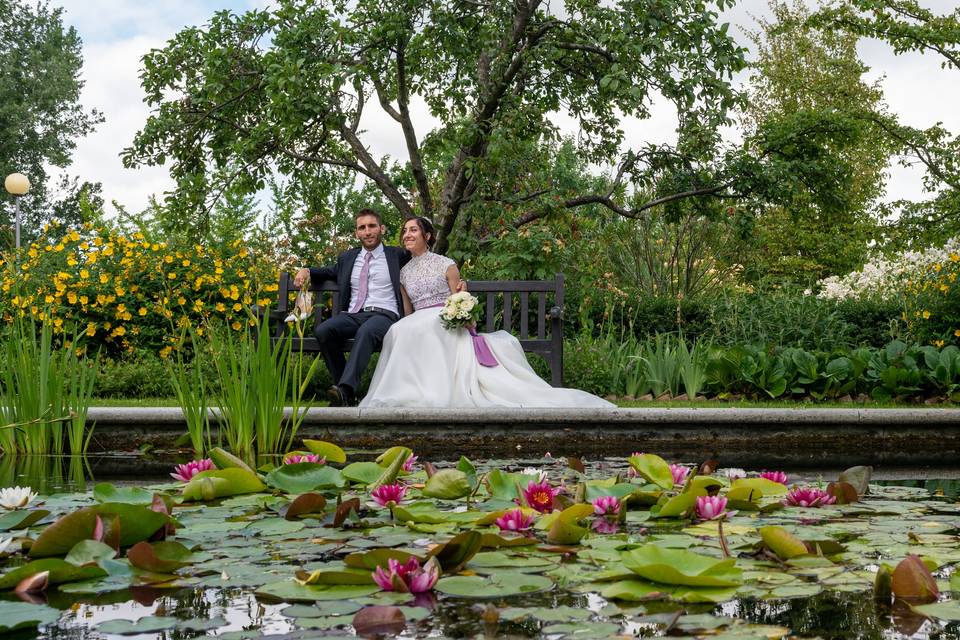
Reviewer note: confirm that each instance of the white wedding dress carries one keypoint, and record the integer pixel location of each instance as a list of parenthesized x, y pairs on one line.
[(424, 365)]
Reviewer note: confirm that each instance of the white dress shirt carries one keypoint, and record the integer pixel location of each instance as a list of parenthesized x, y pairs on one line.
[(379, 286)]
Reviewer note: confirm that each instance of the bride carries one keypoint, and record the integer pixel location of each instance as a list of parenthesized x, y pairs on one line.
[(422, 364)]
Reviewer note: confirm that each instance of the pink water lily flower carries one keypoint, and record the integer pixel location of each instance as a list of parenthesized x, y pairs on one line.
[(606, 505), (775, 476), (184, 472), (809, 497), (389, 495), (408, 464), (540, 495), (296, 458), (408, 577), (515, 520), (679, 473), (711, 507)]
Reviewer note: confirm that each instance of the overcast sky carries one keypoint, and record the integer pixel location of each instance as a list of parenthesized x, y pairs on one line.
[(116, 33)]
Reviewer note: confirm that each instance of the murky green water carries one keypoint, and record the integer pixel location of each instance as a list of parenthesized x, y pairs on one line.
[(224, 604)]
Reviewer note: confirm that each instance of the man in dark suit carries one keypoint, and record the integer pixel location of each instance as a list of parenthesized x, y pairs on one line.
[(369, 280)]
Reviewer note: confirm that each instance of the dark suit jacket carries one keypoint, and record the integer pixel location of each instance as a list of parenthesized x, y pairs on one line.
[(343, 270)]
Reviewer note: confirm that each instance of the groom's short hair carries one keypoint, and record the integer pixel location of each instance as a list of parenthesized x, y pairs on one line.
[(368, 212)]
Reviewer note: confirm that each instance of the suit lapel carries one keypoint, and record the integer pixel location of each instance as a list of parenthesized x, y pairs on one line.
[(346, 272)]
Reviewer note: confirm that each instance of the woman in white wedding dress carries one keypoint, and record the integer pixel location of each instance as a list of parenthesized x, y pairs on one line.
[(422, 364)]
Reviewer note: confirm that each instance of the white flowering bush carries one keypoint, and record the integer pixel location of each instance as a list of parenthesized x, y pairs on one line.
[(884, 278), (460, 310)]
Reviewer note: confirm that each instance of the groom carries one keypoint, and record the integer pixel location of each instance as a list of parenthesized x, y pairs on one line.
[(369, 280)]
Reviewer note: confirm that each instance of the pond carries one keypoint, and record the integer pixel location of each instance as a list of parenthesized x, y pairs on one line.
[(651, 569)]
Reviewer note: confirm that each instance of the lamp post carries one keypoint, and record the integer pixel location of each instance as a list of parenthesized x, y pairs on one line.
[(16, 185)]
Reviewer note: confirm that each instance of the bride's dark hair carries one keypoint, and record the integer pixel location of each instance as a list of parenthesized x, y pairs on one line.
[(426, 228)]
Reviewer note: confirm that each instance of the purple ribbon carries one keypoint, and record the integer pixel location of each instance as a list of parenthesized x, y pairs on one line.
[(480, 347)]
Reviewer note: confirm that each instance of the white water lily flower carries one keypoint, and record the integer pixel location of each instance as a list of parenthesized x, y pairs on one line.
[(16, 497), (4, 543), (733, 473), (533, 471)]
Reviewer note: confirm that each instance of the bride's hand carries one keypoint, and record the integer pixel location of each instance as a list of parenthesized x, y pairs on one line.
[(461, 286)]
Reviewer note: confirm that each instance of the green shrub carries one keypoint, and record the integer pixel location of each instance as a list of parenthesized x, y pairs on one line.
[(871, 322), (141, 374)]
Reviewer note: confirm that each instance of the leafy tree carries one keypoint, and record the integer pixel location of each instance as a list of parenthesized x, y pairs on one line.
[(909, 27), (40, 111), (800, 68), (285, 91)]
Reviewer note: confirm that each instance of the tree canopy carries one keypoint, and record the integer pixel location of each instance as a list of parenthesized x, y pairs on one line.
[(40, 111), (284, 90)]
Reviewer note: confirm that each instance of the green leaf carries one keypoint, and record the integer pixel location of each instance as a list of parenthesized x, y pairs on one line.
[(447, 484), (106, 492), (948, 610), (23, 615), (498, 585), (681, 567), (136, 523), (457, 552), (362, 472), (328, 450), (292, 591), (61, 571), (565, 528), (304, 477), (677, 506), (160, 557), (764, 486), (784, 544), (21, 519), (394, 458), (221, 483), (89, 551), (226, 460), (146, 624), (653, 469)]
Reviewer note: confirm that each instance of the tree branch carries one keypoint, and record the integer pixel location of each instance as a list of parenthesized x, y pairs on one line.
[(375, 173)]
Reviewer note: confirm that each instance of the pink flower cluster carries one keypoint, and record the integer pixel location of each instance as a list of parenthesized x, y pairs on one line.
[(389, 495), (184, 472), (407, 577), (809, 497), (408, 464), (296, 458), (515, 520)]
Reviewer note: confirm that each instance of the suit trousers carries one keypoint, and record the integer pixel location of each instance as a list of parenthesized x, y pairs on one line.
[(367, 328)]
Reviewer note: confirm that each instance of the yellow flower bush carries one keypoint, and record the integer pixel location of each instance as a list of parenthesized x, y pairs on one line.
[(122, 291), (932, 302)]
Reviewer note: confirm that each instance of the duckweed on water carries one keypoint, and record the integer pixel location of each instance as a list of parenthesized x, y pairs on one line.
[(236, 552)]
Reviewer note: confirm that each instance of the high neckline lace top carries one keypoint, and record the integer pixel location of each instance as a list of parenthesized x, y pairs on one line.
[(425, 279)]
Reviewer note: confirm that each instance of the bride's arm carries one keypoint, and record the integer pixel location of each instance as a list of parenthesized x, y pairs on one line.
[(407, 305), (454, 281)]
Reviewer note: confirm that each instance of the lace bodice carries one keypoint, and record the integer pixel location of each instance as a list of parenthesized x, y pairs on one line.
[(425, 279)]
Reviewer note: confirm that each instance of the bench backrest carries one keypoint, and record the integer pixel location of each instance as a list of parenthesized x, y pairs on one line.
[(532, 310)]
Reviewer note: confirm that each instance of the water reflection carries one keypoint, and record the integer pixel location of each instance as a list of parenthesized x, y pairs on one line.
[(45, 474)]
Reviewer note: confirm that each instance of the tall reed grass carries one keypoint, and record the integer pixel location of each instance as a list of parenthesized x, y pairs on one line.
[(45, 391)]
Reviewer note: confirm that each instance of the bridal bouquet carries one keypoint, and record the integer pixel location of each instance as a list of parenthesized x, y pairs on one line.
[(461, 310)]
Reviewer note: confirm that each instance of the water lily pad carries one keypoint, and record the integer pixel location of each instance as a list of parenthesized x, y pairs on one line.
[(328, 450), (495, 586), (292, 591), (220, 483), (679, 567), (496, 559), (21, 519), (160, 557), (304, 477), (947, 610), (448, 484), (146, 624), (362, 472), (136, 523), (653, 469), (583, 630), (106, 492), (276, 527), (545, 614), (23, 615), (333, 608)]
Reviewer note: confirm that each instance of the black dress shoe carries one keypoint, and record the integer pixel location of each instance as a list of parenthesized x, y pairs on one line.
[(340, 396)]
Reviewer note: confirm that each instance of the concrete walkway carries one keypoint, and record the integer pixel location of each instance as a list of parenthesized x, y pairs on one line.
[(755, 437)]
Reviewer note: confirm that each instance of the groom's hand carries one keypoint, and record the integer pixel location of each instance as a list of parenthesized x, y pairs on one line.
[(301, 278)]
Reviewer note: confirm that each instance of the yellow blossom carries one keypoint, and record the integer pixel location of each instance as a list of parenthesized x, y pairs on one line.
[(142, 311), (925, 315), (938, 343), (91, 329)]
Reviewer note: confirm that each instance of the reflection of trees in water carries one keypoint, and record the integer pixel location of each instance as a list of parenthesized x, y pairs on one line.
[(45, 474)]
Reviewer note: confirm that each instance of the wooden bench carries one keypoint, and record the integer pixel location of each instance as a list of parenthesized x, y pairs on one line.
[(497, 296)]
